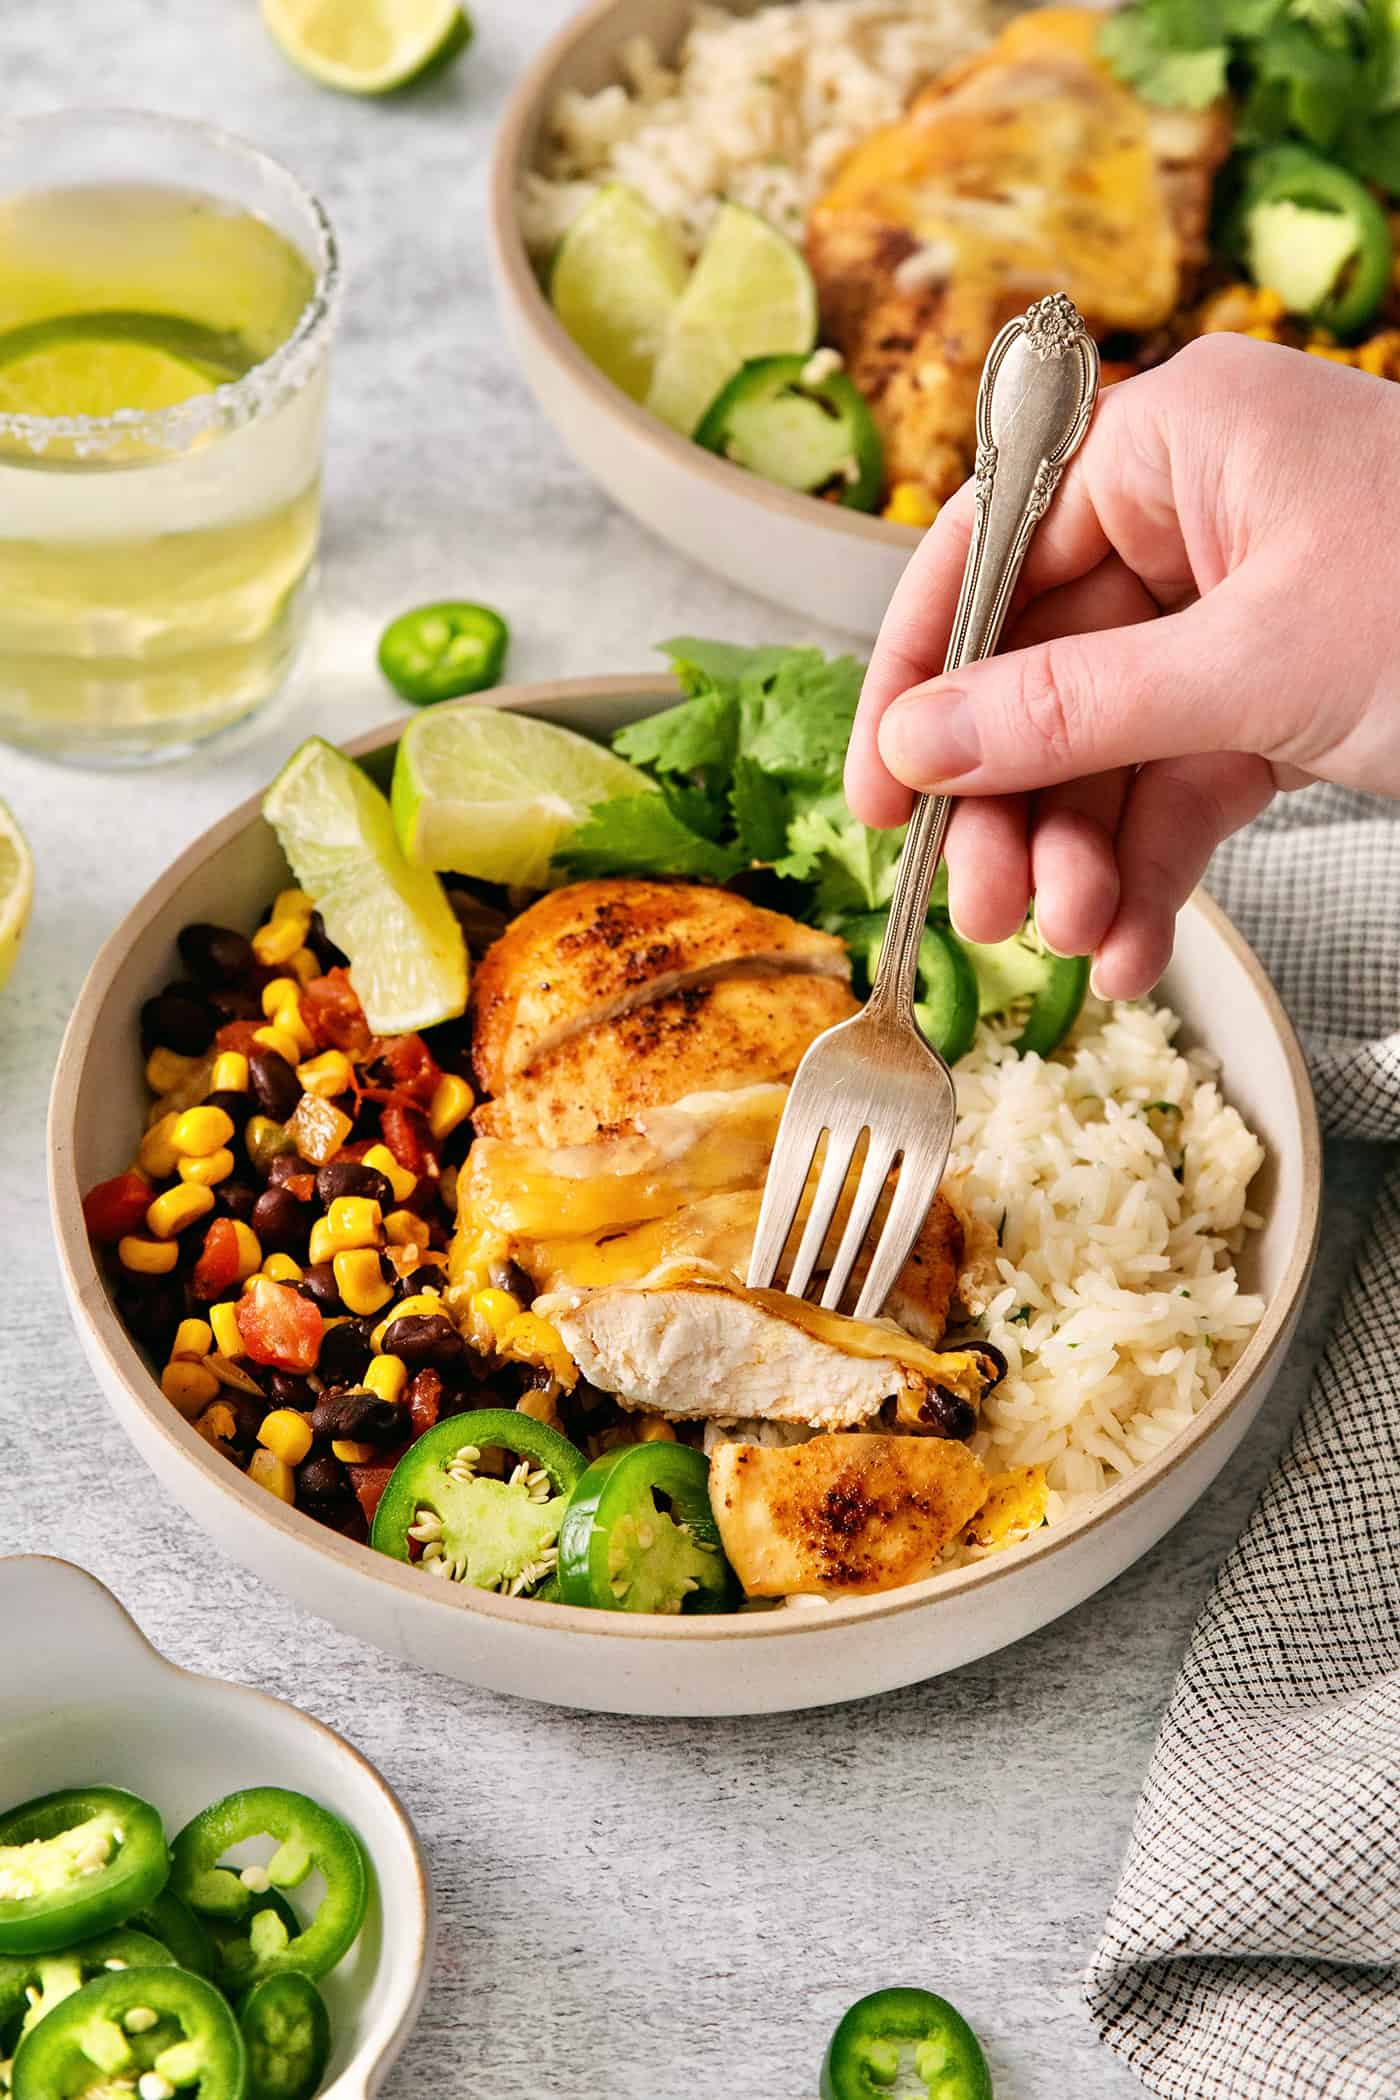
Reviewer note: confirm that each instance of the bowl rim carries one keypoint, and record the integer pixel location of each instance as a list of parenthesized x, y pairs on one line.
[(91, 1308), (375, 2056), (518, 285)]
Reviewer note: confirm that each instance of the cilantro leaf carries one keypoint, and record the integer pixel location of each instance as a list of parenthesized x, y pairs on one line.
[(797, 722), (1136, 45), (699, 736), (851, 867), (644, 835), (703, 666), (759, 805)]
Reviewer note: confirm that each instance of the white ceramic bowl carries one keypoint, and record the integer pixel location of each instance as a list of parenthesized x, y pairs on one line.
[(610, 1662), (835, 566), (88, 1701)]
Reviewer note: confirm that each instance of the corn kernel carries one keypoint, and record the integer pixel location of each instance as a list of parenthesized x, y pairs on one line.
[(404, 1228), (224, 1321), (304, 966), (218, 1424), (494, 1310), (147, 1257), (327, 1075), (450, 1106), (281, 1268), (911, 504), (293, 904), (653, 1429), (276, 992), (272, 1473), (249, 1249), (359, 1280), (530, 1339), (399, 1179), (278, 941), (230, 1073), (424, 1302), (177, 1208), (208, 1172), (166, 1069), (321, 1246), (351, 1454), (288, 1019), (200, 1131), (156, 1155), (274, 1038), (354, 1221), (541, 1406), (192, 1338), (189, 1387), (286, 1434), (387, 1376)]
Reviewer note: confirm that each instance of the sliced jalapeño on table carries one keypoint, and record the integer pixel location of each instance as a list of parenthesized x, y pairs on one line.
[(439, 652), (904, 2044)]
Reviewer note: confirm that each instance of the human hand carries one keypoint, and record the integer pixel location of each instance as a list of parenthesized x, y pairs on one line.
[(1209, 612)]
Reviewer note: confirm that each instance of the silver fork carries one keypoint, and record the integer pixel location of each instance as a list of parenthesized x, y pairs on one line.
[(876, 1076)]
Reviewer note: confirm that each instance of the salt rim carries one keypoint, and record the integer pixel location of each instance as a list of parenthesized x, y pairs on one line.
[(237, 402)]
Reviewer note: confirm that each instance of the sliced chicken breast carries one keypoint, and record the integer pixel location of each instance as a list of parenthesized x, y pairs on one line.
[(585, 955)]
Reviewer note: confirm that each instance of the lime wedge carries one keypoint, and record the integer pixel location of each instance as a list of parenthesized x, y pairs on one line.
[(16, 889), (615, 280), (67, 369), (407, 959), (494, 795), (749, 295), (367, 47)]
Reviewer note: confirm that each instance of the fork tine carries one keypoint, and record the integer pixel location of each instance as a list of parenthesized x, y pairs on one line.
[(878, 1161), (914, 1191), (840, 1151), (793, 1153)]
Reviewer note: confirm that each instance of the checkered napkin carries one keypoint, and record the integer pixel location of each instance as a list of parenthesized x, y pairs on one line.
[(1253, 1948)]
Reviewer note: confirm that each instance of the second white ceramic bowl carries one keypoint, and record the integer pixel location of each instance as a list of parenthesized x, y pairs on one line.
[(610, 1661)]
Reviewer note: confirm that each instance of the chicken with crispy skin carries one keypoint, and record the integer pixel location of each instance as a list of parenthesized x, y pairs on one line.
[(1025, 170)]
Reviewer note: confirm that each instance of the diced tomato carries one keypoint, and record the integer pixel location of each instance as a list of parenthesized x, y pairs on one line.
[(415, 1070), (279, 1327), (334, 1015), (238, 1035), (423, 1399), (117, 1207), (406, 1134), (370, 1480), (216, 1271)]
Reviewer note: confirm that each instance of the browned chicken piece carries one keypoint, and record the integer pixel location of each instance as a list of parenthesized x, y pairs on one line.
[(1025, 170), (594, 951), (841, 1516), (725, 1033)]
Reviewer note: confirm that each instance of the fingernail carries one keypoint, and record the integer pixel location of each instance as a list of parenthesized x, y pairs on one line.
[(930, 740), (1094, 985)]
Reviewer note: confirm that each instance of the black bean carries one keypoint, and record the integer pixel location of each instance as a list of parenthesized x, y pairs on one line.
[(947, 1413), (426, 1277), (425, 1341), (509, 1276), (152, 1310), (349, 1412), (275, 1085), (281, 1223), (235, 1199), (465, 1399), (284, 1389), (179, 1018), (322, 946), (237, 1107), (319, 1285), (322, 1483), (345, 1352), (214, 954), (234, 1002), (351, 1177), (997, 1366), (285, 1167)]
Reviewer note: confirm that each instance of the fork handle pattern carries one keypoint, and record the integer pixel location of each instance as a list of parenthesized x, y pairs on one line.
[(1036, 396)]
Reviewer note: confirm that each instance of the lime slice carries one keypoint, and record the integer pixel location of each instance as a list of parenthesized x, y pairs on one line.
[(66, 369), (407, 959), (616, 277), (750, 295), (494, 795), (367, 47), (16, 889)]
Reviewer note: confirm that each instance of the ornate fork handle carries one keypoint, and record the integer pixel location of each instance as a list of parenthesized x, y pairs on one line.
[(1037, 394)]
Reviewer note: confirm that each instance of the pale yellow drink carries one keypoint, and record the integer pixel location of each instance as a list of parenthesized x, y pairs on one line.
[(160, 441)]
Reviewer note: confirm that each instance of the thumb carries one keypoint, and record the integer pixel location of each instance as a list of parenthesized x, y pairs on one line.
[(1087, 703)]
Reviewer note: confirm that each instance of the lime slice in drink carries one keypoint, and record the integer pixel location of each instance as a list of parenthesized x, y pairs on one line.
[(407, 959), (68, 368), (494, 795), (616, 278), (367, 47), (16, 889), (749, 295)]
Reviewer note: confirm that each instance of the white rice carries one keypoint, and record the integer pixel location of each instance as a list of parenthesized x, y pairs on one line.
[(758, 109)]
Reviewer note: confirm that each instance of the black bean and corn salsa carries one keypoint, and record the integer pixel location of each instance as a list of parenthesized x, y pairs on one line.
[(279, 1245)]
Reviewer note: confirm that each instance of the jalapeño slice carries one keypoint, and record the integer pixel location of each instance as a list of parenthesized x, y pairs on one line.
[(492, 1534), (287, 2034), (127, 2023), (76, 1863), (308, 1837), (639, 1535), (438, 652), (904, 2043)]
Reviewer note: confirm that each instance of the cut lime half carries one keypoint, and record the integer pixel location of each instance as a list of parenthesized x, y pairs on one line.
[(16, 889), (616, 277), (96, 364), (749, 295), (408, 963), (494, 796), (367, 47)]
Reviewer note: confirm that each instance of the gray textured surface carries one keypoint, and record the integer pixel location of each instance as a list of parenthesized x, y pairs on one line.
[(644, 1909)]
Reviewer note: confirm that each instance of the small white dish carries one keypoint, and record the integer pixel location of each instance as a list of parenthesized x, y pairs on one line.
[(89, 1701)]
